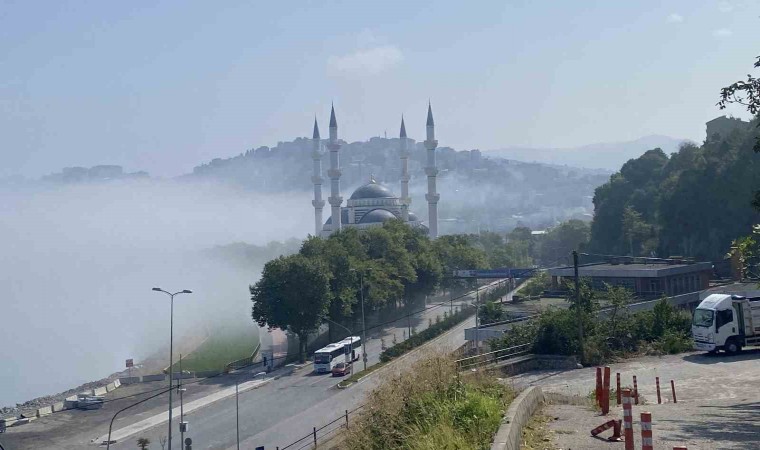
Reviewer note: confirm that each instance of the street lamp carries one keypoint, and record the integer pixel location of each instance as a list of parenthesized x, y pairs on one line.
[(171, 348), (364, 324)]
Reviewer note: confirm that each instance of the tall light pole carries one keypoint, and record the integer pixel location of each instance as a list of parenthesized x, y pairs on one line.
[(171, 349), (364, 324)]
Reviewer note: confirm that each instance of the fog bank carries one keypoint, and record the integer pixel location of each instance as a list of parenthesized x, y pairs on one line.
[(79, 261)]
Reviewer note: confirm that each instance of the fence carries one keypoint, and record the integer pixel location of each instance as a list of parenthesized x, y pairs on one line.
[(493, 357), (245, 362), (323, 432)]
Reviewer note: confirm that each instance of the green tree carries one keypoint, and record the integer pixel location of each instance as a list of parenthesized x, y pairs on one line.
[(635, 230), (559, 242), (293, 294), (745, 93), (457, 252), (143, 443), (491, 312)]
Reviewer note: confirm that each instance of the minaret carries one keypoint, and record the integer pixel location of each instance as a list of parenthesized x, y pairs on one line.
[(405, 200), (316, 178), (431, 171), (334, 173)]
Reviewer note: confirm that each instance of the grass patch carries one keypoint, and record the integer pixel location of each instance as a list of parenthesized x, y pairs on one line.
[(431, 407), (223, 346), (536, 434)]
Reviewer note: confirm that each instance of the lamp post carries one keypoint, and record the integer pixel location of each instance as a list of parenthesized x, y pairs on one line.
[(364, 324), (171, 348)]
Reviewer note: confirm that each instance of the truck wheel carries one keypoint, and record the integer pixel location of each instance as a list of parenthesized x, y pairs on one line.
[(732, 347)]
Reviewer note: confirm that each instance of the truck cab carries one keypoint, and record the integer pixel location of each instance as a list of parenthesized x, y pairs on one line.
[(726, 322)]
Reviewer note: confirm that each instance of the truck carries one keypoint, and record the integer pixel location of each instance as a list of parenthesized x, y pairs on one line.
[(726, 322)]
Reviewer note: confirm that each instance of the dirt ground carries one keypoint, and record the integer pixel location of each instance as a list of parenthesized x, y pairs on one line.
[(718, 402)]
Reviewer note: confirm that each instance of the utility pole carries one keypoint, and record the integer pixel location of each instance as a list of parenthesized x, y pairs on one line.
[(477, 317), (364, 326), (578, 300), (180, 389), (237, 415)]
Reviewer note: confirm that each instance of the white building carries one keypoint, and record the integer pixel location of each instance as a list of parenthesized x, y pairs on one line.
[(372, 204)]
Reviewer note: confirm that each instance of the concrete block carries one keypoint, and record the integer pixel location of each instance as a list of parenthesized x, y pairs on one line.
[(100, 391), (128, 380), (58, 407), (7, 422), (207, 373), (45, 411), (116, 383), (110, 387), (159, 377)]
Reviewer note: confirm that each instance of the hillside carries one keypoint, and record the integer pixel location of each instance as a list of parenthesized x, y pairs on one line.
[(607, 156)]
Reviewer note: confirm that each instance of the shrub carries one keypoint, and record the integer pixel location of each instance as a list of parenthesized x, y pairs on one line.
[(417, 339)]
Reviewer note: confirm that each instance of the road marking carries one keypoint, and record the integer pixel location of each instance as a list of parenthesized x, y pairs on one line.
[(123, 433)]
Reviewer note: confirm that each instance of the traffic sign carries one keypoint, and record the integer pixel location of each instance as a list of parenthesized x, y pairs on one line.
[(130, 363)]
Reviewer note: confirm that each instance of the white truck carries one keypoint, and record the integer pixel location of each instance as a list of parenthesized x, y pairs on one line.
[(726, 322)]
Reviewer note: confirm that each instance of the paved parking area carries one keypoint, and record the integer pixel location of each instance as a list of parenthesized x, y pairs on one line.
[(718, 401)]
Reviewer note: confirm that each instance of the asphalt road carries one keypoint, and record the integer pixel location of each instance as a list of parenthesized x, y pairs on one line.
[(288, 408)]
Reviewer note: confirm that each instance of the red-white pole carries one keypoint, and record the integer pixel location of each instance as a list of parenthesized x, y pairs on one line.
[(606, 391), (673, 388), (627, 420), (599, 386), (646, 431), (659, 398), (635, 390), (619, 394)]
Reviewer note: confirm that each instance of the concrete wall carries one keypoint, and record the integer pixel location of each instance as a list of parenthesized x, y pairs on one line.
[(100, 391), (47, 410), (509, 435), (159, 377), (522, 364), (129, 380), (207, 373)]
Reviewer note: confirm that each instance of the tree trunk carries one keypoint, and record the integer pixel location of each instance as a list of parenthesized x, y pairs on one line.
[(302, 348)]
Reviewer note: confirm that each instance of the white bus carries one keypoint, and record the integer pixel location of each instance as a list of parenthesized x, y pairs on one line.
[(343, 351)]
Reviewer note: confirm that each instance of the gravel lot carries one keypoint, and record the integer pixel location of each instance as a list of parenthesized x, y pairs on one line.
[(718, 401)]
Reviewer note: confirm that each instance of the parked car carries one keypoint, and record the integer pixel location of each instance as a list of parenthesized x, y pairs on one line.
[(341, 369)]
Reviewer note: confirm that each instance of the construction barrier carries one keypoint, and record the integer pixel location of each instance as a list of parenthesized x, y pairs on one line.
[(606, 391), (646, 431), (603, 427), (616, 437), (635, 390), (659, 398), (617, 391), (680, 448), (673, 389), (599, 386), (627, 419)]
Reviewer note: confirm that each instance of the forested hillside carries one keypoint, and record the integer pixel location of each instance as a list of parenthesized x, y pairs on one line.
[(694, 202)]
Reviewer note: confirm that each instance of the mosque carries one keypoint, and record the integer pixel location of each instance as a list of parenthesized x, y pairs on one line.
[(372, 204)]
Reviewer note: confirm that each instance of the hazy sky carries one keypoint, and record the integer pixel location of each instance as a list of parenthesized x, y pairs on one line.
[(165, 87)]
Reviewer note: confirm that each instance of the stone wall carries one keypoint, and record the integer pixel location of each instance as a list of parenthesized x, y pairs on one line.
[(509, 435)]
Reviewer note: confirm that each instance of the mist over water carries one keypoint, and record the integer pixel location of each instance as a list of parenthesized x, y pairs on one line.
[(78, 264)]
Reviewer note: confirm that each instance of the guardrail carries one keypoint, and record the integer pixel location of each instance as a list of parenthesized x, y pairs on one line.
[(244, 362), (312, 439), (493, 357)]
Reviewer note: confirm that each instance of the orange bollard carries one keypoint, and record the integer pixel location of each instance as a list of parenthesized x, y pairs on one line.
[(616, 437), (628, 419), (603, 427), (617, 391), (646, 431), (606, 391), (659, 398), (599, 386), (635, 390), (673, 388)]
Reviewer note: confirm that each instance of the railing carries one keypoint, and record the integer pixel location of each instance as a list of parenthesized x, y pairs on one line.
[(244, 362), (322, 433), (493, 357)]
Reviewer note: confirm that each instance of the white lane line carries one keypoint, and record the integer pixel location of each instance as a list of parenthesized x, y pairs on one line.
[(137, 427)]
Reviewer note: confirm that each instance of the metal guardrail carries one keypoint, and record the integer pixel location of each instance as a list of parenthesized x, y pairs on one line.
[(312, 439), (244, 362), (493, 357)]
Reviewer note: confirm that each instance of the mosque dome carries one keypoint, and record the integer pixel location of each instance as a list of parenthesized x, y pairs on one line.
[(372, 190), (378, 215)]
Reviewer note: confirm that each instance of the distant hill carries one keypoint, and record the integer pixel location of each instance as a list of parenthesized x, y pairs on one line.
[(608, 156)]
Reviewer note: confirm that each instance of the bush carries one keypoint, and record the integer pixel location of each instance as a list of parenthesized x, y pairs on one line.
[(431, 407), (537, 285)]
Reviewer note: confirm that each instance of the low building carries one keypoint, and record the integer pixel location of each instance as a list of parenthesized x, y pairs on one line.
[(643, 279)]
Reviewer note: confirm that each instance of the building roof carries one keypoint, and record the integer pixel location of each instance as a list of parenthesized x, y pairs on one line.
[(315, 135), (372, 190), (333, 122), (378, 215), (632, 270), (413, 217), (403, 128), (430, 122)]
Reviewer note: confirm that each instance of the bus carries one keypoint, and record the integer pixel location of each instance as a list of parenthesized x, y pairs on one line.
[(343, 351)]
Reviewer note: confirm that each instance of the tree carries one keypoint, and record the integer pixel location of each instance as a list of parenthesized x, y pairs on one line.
[(490, 312), (634, 229), (744, 93), (559, 242), (162, 442), (143, 443), (293, 294), (456, 252)]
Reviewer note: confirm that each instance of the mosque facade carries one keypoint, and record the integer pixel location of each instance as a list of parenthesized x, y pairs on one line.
[(372, 204)]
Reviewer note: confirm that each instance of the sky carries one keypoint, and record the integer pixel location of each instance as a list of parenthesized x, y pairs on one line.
[(165, 86)]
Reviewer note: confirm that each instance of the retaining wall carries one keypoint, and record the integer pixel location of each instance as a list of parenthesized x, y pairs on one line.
[(159, 377), (129, 380), (522, 364), (509, 435), (47, 410)]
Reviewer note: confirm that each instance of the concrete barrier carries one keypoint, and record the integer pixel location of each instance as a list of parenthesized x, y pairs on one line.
[(129, 380), (100, 391), (509, 435), (42, 412), (207, 373), (7, 422), (159, 377), (522, 364), (58, 407), (183, 376)]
